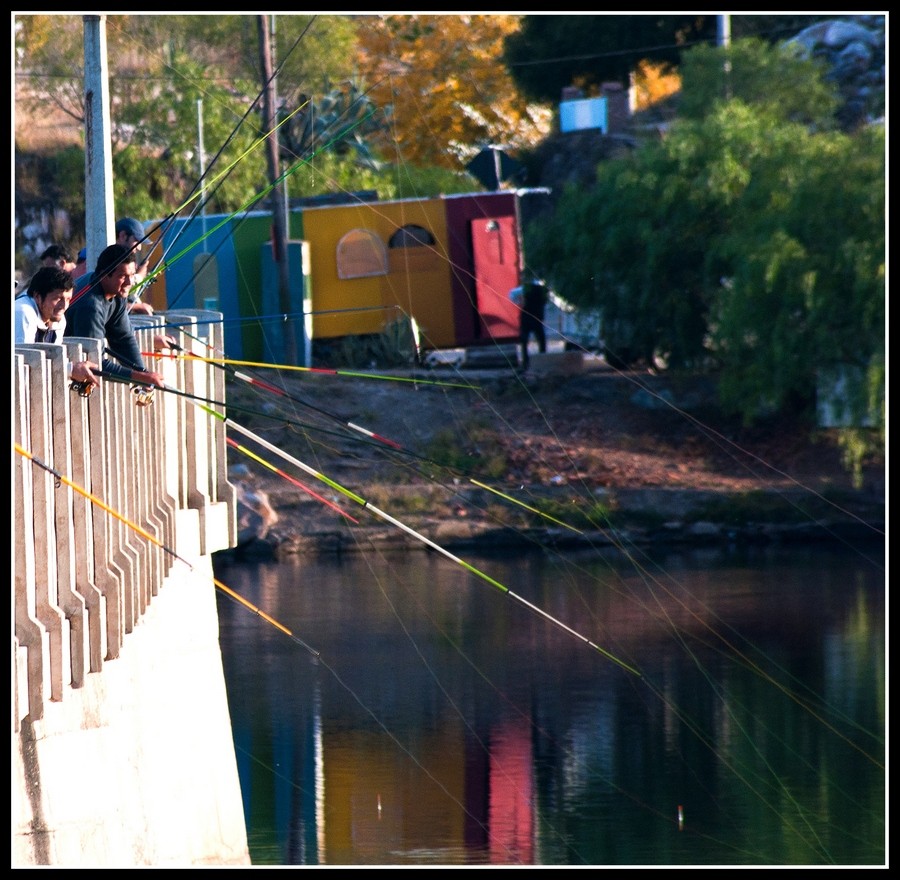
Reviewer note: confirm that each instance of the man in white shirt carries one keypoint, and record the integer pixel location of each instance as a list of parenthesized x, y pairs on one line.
[(39, 316)]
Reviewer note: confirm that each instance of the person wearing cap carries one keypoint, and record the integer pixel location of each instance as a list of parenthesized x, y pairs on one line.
[(99, 310), (130, 233), (39, 316), (80, 264)]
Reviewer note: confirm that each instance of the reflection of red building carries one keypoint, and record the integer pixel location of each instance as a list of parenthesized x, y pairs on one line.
[(511, 811), (376, 803)]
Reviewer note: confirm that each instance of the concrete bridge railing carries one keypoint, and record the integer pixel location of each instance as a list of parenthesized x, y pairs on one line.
[(118, 504)]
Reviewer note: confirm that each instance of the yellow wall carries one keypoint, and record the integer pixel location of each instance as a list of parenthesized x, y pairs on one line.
[(418, 279)]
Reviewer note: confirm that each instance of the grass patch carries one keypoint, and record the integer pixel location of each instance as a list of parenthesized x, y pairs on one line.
[(577, 513), (478, 452)]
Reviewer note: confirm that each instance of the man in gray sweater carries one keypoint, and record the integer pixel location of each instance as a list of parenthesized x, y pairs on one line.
[(99, 310)]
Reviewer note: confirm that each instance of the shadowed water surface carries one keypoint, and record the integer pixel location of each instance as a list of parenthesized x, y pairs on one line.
[(713, 707)]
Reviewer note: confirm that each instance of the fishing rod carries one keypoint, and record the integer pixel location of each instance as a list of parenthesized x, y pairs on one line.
[(367, 505), (364, 431), (250, 380), (241, 600), (289, 478), (62, 478), (328, 371)]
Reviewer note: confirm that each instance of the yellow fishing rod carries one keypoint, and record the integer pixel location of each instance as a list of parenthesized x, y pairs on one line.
[(62, 478)]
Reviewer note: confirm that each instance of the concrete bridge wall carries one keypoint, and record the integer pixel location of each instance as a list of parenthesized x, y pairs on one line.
[(122, 751)]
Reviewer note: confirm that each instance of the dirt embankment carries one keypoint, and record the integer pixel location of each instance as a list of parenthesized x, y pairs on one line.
[(485, 458)]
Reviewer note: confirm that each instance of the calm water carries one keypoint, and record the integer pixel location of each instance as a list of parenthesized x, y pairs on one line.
[(445, 723)]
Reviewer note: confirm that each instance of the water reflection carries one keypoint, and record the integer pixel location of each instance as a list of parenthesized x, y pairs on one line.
[(443, 723)]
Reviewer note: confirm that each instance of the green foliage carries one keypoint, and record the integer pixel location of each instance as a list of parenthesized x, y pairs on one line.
[(340, 122), (159, 169), (744, 241), (760, 75)]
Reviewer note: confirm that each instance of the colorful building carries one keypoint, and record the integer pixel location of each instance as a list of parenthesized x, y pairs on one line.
[(447, 262)]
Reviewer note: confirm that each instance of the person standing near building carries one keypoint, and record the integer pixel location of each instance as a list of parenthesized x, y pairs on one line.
[(39, 316), (99, 310), (531, 316)]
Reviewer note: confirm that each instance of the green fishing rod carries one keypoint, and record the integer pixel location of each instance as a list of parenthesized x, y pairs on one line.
[(222, 362), (367, 505), (164, 264)]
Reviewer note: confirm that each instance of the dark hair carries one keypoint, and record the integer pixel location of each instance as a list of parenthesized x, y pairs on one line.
[(56, 252), (110, 258), (50, 278)]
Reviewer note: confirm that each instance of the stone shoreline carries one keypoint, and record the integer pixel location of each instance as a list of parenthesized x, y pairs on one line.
[(863, 524)]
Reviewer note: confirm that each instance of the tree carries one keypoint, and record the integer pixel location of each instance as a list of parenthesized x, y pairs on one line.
[(758, 74), (745, 241), (551, 52), (444, 77)]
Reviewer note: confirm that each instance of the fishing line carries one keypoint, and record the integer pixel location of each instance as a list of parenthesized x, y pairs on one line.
[(145, 534), (237, 127), (234, 444), (232, 594), (453, 490), (163, 265), (364, 431), (301, 161), (416, 598), (281, 419), (366, 505)]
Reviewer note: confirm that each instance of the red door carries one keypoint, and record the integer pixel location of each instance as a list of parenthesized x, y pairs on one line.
[(495, 254)]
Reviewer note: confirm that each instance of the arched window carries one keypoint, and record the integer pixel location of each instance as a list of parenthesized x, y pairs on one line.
[(411, 235), (361, 254)]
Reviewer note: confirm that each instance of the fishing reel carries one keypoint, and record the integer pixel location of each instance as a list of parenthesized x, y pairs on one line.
[(143, 395), (82, 389)]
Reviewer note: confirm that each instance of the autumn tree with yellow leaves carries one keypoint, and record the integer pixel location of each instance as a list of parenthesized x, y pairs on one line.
[(450, 93)]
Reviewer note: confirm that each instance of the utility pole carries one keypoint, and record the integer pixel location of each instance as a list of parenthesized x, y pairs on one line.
[(279, 230), (201, 162), (99, 200), (723, 34)]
